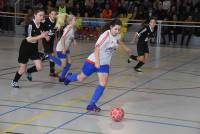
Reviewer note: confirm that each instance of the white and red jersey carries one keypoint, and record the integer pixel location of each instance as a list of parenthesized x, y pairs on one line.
[(68, 35), (107, 44)]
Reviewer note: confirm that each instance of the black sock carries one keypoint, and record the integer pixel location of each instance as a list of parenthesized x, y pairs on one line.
[(133, 57), (17, 77), (139, 65), (32, 69), (52, 67)]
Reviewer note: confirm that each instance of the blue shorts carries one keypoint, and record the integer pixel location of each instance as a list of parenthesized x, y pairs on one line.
[(61, 55), (89, 68)]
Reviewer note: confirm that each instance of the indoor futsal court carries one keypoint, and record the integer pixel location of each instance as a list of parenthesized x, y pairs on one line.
[(163, 99)]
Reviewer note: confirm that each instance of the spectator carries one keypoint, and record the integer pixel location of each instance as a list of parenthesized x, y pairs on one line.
[(114, 7), (97, 10), (165, 31), (49, 6), (122, 8), (160, 13), (188, 31), (173, 31), (172, 11), (107, 12), (8, 21), (166, 5), (76, 10), (139, 14), (196, 14), (156, 4)]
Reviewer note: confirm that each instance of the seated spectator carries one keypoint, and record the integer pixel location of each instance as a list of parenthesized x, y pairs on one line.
[(107, 12), (160, 13)]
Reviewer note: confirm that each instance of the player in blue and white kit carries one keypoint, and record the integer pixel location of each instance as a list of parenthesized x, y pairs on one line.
[(99, 61), (63, 47)]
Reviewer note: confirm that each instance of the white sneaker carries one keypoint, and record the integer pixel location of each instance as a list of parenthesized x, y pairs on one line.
[(14, 84)]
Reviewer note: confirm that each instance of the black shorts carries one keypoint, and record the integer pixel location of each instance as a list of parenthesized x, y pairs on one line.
[(28, 51), (142, 48), (48, 46)]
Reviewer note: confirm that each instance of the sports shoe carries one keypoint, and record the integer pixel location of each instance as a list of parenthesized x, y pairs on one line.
[(67, 81), (14, 84), (137, 69), (93, 108), (29, 77), (131, 58)]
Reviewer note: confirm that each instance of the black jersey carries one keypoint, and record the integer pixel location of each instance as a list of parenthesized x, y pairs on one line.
[(33, 30), (144, 34), (29, 50), (48, 25)]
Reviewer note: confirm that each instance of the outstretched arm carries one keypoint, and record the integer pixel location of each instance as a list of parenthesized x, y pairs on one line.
[(128, 50)]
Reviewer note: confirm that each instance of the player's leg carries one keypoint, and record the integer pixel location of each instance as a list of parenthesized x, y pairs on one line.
[(19, 73), (87, 70), (38, 67), (103, 73), (66, 67)]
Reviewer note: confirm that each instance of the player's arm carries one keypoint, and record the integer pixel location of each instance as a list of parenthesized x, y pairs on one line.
[(135, 37), (33, 39), (124, 46), (36, 38), (138, 34)]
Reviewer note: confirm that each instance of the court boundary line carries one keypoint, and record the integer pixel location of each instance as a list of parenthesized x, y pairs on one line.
[(193, 59)]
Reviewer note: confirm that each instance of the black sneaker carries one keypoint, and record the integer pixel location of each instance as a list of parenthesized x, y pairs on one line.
[(137, 69), (14, 84), (29, 76)]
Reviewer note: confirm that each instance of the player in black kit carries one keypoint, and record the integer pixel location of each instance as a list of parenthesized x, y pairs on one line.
[(142, 45), (49, 25), (29, 48)]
